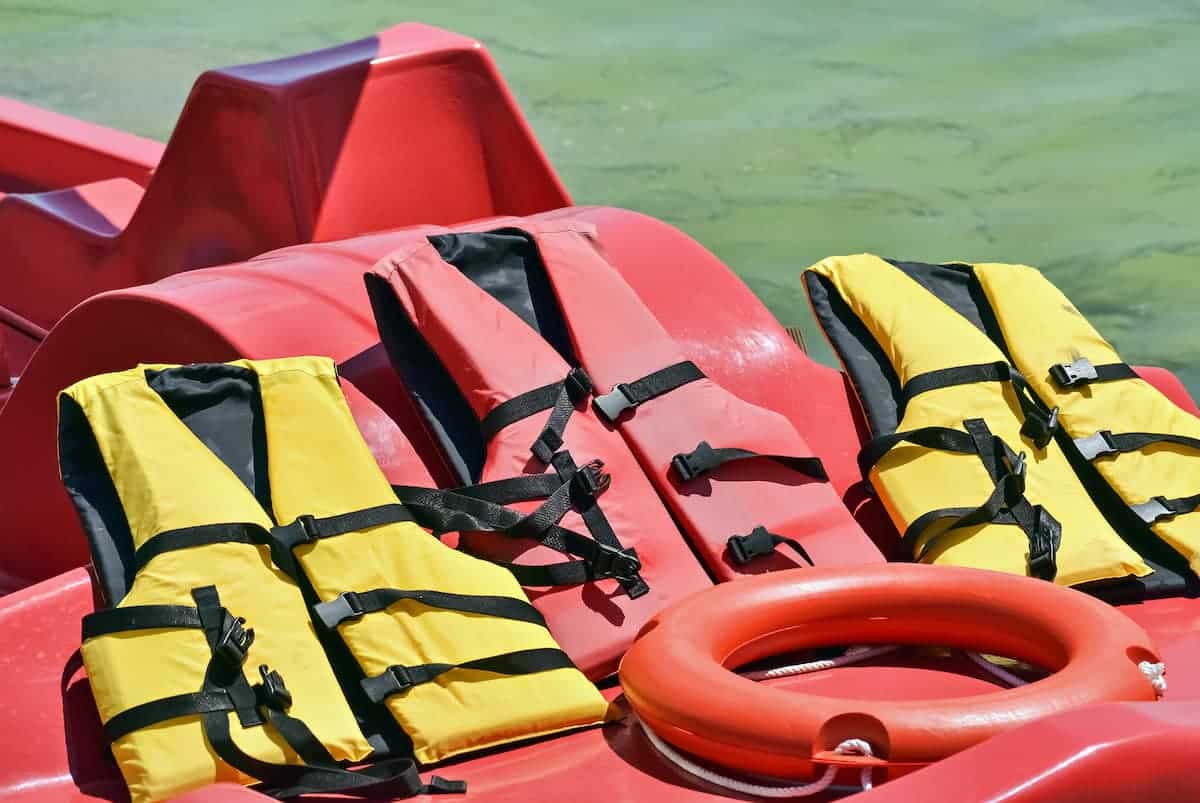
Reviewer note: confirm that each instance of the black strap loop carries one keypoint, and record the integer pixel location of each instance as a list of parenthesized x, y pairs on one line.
[(628, 395), (704, 458), (352, 605), (999, 371), (399, 679), (1081, 372), (759, 542), (944, 438)]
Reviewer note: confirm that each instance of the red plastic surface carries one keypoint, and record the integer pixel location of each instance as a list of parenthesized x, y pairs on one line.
[(318, 155)]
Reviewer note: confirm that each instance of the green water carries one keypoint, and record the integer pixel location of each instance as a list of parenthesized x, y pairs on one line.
[(1062, 135)]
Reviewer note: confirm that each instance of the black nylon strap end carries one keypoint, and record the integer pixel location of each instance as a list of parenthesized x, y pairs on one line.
[(546, 445), (440, 786)]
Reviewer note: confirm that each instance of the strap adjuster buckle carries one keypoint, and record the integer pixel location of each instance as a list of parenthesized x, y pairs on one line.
[(745, 548), (234, 640), (578, 385), (1153, 509), (623, 565), (272, 692), (1043, 544), (611, 405), (399, 679), (692, 464), (1040, 429), (588, 482), (347, 605), (1079, 372), (1098, 444)]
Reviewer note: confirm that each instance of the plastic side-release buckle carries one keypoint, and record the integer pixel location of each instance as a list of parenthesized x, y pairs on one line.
[(590, 481), (1070, 374), (339, 609), (234, 640), (689, 465), (1040, 429), (745, 548), (272, 692), (578, 385), (611, 405), (1098, 444), (396, 679), (623, 565), (1153, 509), (1043, 544)]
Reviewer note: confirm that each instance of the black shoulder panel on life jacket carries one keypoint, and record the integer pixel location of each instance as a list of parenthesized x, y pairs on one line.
[(447, 413), (506, 265), (221, 406), (95, 498)]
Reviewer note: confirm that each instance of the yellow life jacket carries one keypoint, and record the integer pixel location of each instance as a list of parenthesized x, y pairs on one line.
[(1142, 444), (965, 469), (246, 538)]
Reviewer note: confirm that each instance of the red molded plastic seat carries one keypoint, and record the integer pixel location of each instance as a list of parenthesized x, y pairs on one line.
[(413, 125)]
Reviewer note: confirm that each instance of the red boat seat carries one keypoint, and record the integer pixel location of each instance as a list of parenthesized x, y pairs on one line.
[(320, 146)]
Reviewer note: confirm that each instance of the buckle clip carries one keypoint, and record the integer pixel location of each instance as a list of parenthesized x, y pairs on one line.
[(700, 460), (345, 606), (272, 692), (621, 564), (1040, 429), (745, 548), (1153, 509), (611, 405), (234, 640), (1098, 444), (578, 385), (1079, 372), (590, 481)]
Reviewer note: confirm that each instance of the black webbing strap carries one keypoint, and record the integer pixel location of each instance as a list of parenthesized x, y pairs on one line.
[(585, 496), (138, 617), (628, 395), (319, 773), (562, 398), (943, 438), (1039, 425), (1104, 442), (1159, 507), (1006, 504), (281, 539), (1081, 372), (745, 548), (354, 604), (704, 458), (450, 511), (999, 371), (399, 679)]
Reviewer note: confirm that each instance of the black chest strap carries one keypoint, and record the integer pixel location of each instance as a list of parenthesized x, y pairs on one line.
[(562, 398), (629, 395), (704, 459), (1081, 372)]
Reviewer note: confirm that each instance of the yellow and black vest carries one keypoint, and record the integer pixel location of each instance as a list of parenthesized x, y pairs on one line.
[(276, 616), (1007, 434)]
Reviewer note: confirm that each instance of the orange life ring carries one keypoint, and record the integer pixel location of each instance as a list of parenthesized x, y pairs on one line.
[(677, 675)]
